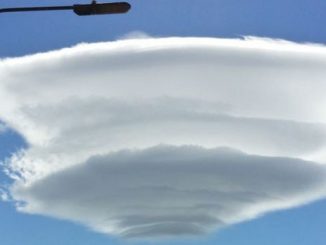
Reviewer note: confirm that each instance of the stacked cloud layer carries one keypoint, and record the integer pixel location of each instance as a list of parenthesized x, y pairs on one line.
[(167, 137)]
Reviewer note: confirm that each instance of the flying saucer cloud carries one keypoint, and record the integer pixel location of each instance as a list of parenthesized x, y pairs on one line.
[(169, 136)]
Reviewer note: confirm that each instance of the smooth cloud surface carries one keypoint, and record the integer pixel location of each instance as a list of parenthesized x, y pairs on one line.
[(125, 137)]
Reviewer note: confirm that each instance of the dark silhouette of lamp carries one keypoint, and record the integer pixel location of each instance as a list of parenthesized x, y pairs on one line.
[(80, 9)]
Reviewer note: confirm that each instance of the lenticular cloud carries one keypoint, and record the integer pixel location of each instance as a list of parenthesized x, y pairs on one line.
[(169, 136)]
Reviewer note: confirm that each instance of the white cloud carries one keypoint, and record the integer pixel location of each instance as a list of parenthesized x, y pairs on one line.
[(168, 190), (78, 106), (135, 35), (4, 195), (3, 128)]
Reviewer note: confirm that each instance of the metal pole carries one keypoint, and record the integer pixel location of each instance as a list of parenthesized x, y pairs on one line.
[(5, 10)]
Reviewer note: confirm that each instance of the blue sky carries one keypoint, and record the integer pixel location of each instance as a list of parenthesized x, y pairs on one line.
[(21, 34), (292, 20)]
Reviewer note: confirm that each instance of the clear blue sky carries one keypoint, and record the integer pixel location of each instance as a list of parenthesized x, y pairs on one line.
[(296, 20)]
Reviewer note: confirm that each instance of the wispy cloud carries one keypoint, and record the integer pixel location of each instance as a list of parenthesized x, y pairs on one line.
[(3, 127), (4, 195), (125, 136)]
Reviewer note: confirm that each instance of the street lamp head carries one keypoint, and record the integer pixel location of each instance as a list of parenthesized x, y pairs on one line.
[(101, 8), (93, 8)]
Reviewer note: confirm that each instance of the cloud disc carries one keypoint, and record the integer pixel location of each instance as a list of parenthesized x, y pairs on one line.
[(125, 137), (169, 190)]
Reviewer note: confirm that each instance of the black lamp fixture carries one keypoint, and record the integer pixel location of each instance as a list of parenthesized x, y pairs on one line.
[(93, 8)]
